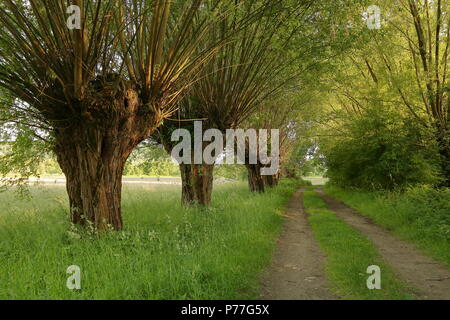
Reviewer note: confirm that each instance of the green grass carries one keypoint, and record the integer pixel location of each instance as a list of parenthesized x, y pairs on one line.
[(348, 255), (165, 251), (420, 215)]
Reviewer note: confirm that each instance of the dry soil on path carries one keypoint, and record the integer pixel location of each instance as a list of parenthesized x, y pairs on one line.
[(428, 278), (297, 269)]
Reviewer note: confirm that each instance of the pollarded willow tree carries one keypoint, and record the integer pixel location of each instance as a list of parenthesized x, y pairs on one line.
[(246, 71), (283, 114), (282, 52), (97, 89)]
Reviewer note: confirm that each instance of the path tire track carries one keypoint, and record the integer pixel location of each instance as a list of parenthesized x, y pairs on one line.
[(297, 269), (430, 279)]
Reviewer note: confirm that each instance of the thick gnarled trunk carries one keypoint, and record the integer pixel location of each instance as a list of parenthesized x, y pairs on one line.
[(92, 154), (187, 190), (202, 183), (94, 184), (67, 159), (270, 181), (196, 179), (258, 182), (197, 183), (255, 179)]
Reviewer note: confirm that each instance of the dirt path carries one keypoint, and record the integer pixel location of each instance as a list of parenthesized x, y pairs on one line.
[(430, 279), (296, 272)]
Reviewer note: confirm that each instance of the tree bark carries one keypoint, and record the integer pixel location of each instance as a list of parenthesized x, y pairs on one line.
[(196, 179), (92, 153), (202, 183), (255, 180), (94, 184), (197, 183), (187, 189), (67, 160), (270, 181)]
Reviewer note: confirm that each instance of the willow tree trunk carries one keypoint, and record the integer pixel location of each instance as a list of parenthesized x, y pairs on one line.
[(196, 179), (92, 153), (270, 181), (197, 183), (202, 183), (255, 179), (187, 190), (94, 181)]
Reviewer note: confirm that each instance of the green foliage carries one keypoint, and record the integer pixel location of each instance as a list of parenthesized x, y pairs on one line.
[(303, 160), (392, 67), (231, 171), (150, 160), (49, 166), (165, 252), (153, 160), (420, 215), (380, 149), (20, 157)]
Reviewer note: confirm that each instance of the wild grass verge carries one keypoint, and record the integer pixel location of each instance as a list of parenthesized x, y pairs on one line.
[(349, 254), (420, 215), (165, 251)]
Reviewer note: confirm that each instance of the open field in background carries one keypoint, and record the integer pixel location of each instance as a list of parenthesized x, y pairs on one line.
[(316, 181), (61, 180), (165, 251)]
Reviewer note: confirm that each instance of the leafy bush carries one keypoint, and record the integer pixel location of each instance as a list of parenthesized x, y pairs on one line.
[(231, 171), (427, 208), (150, 160), (380, 149)]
